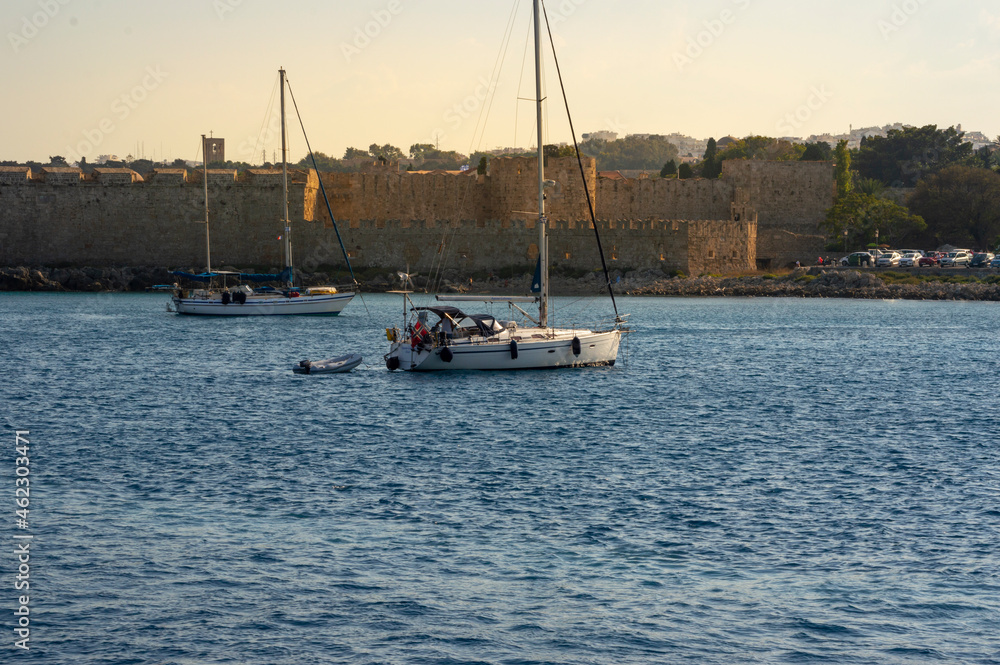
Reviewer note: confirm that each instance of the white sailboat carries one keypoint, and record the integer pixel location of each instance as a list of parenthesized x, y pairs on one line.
[(461, 341), (218, 299)]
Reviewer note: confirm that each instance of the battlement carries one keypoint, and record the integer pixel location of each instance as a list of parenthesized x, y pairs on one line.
[(762, 211)]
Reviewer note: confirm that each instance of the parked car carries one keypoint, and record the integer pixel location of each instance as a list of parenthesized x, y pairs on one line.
[(858, 259), (888, 260), (955, 259), (981, 260), (910, 260), (995, 263), (928, 261)]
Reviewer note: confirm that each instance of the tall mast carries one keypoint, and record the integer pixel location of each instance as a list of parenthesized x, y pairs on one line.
[(543, 302), (204, 177), (284, 183)]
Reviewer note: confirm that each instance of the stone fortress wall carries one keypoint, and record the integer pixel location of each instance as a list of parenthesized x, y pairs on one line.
[(759, 214)]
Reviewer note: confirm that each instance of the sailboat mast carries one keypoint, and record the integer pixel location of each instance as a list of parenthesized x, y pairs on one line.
[(204, 177), (287, 244), (543, 302)]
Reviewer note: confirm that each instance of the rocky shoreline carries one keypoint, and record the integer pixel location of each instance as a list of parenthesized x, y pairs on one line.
[(801, 283)]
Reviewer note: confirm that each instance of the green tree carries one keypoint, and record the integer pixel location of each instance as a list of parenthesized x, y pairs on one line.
[(984, 158), (685, 171), (817, 152), (712, 166), (842, 169), (904, 156), (324, 163), (58, 160), (551, 150), (669, 169), (434, 160), (631, 152), (387, 152), (870, 186), (481, 168), (960, 204), (356, 153), (861, 214), (418, 150), (761, 148)]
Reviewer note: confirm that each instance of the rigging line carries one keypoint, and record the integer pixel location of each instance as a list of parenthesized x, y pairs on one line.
[(267, 119), (520, 81), (322, 188), (579, 160), (494, 77)]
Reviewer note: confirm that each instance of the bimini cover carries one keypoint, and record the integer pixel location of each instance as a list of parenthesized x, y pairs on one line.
[(200, 277), (486, 324), (284, 276)]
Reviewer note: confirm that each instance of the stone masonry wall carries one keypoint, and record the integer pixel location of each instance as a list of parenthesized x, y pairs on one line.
[(791, 200), (758, 210)]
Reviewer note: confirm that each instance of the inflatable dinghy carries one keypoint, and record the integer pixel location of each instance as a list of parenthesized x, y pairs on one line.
[(328, 366)]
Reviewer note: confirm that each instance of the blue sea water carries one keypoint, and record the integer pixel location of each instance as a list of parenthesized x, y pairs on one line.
[(763, 481)]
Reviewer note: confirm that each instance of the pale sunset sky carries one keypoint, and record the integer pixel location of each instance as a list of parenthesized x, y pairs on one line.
[(92, 77)]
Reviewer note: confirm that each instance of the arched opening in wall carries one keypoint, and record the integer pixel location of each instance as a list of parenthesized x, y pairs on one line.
[(533, 251), (614, 252), (567, 256), (711, 253)]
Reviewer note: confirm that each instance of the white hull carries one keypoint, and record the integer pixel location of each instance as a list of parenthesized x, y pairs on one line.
[(537, 348), (265, 305), (328, 366)]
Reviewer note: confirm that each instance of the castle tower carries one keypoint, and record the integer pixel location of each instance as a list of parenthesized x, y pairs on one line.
[(216, 150)]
